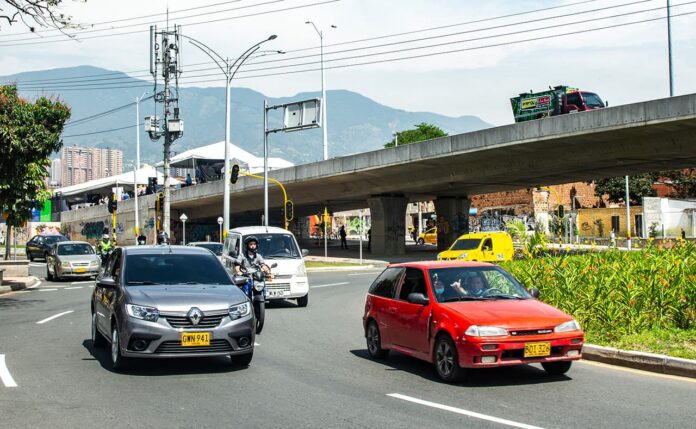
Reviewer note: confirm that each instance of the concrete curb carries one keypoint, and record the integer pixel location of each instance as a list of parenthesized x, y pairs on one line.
[(342, 268), (18, 284), (640, 360)]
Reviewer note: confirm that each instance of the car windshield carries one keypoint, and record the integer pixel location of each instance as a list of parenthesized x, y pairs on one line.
[(214, 247), (592, 100), (277, 246), (466, 244), (51, 239), (75, 249), (474, 283), (174, 268)]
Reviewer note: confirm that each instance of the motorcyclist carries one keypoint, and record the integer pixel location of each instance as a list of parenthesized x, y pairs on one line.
[(104, 247), (162, 238), (250, 256), (142, 240)]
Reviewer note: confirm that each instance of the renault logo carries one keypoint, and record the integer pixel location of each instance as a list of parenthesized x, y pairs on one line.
[(195, 315)]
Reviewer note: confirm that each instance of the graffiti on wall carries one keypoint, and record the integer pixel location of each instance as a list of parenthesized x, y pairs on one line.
[(93, 230)]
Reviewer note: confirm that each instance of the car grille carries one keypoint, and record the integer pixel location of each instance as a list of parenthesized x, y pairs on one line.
[(80, 264), (215, 346), (208, 320), (528, 332), (285, 287)]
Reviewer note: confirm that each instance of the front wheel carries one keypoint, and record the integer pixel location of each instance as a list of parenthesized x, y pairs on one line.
[(260, 314), (303, 301), (557, 368), (447, 360), (49, 276), (421, 242)]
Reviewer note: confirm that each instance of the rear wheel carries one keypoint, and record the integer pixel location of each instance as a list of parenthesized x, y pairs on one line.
[(260, 314), (303, 301), (242, 360), (98, 339), (447, 360), (557, 368), (374, 342)]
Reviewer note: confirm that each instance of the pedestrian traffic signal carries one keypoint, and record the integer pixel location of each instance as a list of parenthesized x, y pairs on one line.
[(561, 211), (113, 204), (289, 210), (235, 174)]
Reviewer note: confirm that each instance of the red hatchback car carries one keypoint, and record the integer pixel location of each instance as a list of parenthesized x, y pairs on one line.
[(461, 315)]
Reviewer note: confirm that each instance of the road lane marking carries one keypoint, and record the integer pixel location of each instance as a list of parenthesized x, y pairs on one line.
[(36, 285), (37, 264), (329, 284), (256, 344), (637, 371), (46, 290), (55, 316), (5, 375), (463, 412), (73, 287), (81, 283)]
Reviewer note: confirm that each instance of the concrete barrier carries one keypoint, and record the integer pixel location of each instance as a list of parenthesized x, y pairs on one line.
[(18, 268), (640, 360)]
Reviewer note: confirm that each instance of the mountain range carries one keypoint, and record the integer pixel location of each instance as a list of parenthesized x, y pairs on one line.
[(356, 123)]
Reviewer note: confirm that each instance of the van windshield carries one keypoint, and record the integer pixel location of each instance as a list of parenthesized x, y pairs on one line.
[(466, 244), (273, 246)]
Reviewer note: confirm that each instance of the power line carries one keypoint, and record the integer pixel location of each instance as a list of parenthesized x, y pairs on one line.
[(102, 114), (103, 131)]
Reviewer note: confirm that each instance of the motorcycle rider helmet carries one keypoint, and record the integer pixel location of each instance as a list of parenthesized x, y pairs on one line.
[(251, 239), (162, 238), (142, 240), (105, 237)]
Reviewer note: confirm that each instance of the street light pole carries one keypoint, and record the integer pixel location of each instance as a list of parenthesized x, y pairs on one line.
[(628, 218), (324, 120), (669, 48), (137, 161), (265, 163)]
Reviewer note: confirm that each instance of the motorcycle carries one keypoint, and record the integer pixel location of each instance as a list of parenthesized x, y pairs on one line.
[(104, 256), (253, 284)]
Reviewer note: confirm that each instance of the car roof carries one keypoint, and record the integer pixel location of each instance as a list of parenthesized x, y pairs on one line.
[(246, 230), (62, 243), (440, 264), (196, 243), (161, 249)]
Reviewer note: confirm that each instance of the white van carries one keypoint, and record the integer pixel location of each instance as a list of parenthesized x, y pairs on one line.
[(279, 246)]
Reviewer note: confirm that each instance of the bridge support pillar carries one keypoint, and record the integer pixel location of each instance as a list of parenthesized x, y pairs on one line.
[(452, 220), (388, 234)]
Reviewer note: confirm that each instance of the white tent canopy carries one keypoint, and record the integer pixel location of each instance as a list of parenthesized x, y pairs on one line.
[(215, 153), (104, 185)]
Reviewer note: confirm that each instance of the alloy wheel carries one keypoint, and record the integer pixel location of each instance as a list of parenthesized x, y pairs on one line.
[(114, 345), (444, 358), (373, 340)]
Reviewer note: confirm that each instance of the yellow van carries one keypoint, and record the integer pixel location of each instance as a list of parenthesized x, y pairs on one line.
[(481, 246), (429, 236)]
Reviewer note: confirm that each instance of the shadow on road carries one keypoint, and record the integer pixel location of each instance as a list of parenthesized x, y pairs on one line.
[(8, 303), (489, 377), (162, 367)]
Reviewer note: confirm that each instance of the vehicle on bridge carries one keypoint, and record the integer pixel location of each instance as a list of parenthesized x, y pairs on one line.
[(492, 246), (559, 100), (170, 302), (279, 246), (466, 315)]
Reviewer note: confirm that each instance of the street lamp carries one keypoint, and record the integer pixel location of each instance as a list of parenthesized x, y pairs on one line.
[(229, 70), (220, 221), (323, 90), (183, 218), (137, 160)]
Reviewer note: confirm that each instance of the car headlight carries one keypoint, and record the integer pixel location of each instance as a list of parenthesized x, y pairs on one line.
[(65, 264), (463, 255), (569, 326), (301, 270), (141, 312), (240, 310), (94, 263), (485, 331)]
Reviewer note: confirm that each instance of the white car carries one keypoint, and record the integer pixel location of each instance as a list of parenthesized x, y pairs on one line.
[(279, 246)]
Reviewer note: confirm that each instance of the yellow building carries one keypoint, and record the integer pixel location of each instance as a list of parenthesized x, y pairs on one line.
[(599, 222)]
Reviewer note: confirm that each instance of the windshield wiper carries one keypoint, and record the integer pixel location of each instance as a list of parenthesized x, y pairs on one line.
[(506, 297), (461, 298), (143, 283)]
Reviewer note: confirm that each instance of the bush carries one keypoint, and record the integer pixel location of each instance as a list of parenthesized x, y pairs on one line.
[(617, 293)]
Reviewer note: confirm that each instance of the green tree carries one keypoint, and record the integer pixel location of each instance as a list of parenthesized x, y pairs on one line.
[(423, 131), (682, 181), (615, 187), (29, 134), (44, 13)]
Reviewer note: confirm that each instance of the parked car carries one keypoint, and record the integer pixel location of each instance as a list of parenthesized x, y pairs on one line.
[(275, 245), (216, 248), (481, 246), (72, 259), (40, 245), (429, 236), (170, 302), (462, 315)]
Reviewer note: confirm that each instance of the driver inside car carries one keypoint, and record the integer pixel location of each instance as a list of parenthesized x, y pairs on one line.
[(475, 285)]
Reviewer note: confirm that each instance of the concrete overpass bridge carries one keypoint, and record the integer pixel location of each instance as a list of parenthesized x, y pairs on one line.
[(630, 139)]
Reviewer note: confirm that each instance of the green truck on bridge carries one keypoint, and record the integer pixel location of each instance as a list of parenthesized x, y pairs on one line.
[(558, 100)]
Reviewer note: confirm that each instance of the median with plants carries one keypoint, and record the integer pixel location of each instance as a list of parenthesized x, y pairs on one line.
[(644, 300)]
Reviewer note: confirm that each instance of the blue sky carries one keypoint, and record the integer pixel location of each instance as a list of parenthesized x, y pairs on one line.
[(623, 65)]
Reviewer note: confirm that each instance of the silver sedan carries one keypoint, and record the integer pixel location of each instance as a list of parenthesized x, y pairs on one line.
[(71, 258)]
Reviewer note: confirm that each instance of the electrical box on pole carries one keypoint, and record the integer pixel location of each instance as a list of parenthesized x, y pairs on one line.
[(302, 115)]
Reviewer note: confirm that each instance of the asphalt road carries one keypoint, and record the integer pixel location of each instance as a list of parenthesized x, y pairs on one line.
[(310, 369)]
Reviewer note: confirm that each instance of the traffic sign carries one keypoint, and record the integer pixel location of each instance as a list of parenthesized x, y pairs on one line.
[(183, 217)]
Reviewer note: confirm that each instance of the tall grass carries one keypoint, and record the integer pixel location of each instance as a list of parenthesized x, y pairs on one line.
[(616, 293)]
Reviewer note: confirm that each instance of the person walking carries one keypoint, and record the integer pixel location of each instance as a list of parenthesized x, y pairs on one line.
[(369, 239), (342, 233)]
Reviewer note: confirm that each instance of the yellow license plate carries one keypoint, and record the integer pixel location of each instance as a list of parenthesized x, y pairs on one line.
[(80, 270), (537, 349), (192, 339)]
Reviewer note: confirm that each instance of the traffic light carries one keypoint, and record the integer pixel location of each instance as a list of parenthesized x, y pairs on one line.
[(235, 174), (561, 211), (113, 204), (289, 210)]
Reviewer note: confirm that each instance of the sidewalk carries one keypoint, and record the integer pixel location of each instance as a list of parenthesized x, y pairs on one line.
[(12, 284), (352, 254)]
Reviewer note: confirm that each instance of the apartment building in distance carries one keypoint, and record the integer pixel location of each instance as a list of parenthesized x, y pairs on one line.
[(81, 164)]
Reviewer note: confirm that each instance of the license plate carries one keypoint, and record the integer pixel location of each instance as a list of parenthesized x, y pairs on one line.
[(80, 270), (192, 339), (275, 293), (537, 349)]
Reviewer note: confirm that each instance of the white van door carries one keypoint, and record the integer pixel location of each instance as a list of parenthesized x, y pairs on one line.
[(232, 242)]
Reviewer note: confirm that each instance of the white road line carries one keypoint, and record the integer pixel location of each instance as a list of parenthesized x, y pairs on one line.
[(329, 284), (73, 287), (46, 290), (463, 412), (81, 283), (256, 344), (91, 286), (35, 264), (55, 316), (5, 375), (364, 274), (36, 285)]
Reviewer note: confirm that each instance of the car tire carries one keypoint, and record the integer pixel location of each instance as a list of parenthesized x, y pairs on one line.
[(374, 341), (241, 361), (303, 301), (421, 242), (446, 360), (49, 276), (31, 258), (118, 361), (98, 340), (557, 368)]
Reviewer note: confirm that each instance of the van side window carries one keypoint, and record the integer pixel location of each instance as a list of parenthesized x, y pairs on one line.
[(385, 285), (414, 282), (487, 245)]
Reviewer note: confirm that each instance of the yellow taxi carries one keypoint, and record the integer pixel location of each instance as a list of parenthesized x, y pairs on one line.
[(429, 236), (480, 246)]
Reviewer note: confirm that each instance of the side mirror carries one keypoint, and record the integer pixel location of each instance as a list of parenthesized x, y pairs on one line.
[(239, 280), (417, 298), (534, 292), (107, 283), (273, 265), (305, 252), (233, 254)]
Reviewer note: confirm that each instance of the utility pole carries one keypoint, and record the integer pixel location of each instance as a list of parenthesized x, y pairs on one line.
[(628, 218), (669, 48), (165, 51)]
